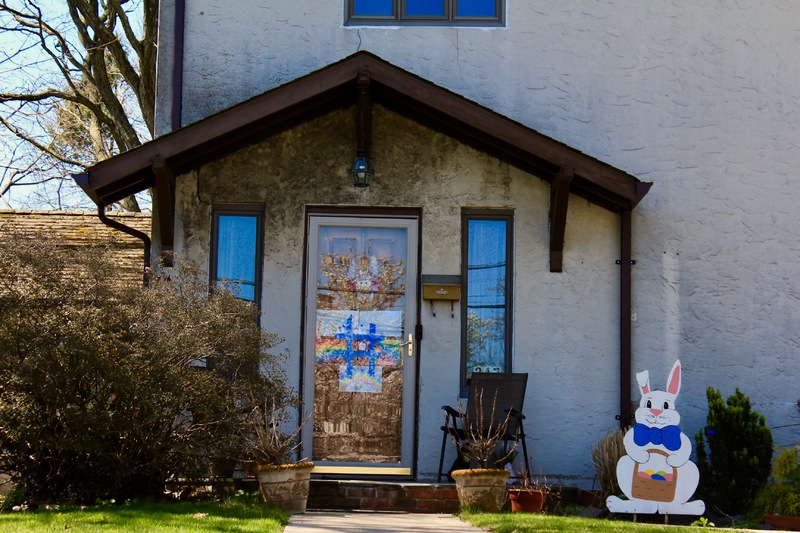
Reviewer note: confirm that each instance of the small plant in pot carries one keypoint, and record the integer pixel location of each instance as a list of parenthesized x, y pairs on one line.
[(478, 439), (531, 496), (283, 478), (778, 503)]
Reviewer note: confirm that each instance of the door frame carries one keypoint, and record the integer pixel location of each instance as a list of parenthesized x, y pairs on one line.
[(412, 278)]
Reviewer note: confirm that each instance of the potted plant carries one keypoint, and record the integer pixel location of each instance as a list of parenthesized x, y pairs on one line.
[(779, 501), (283, 478), (531, 496), (483, 487)]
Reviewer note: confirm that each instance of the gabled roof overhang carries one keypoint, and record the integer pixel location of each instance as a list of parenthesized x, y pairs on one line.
[(155, 163)]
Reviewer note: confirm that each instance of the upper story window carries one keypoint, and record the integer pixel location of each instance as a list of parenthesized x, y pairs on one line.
[(426, 12), (236, 237), (487, 281)]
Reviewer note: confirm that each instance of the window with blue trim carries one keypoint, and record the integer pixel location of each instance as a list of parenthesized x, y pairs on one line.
[(236, 250), (431, 12), (487, 282)]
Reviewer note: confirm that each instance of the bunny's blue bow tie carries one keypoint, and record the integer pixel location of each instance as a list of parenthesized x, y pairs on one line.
[(668, 436)]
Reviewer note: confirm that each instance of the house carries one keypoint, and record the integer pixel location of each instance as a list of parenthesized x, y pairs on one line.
[(82, 228), (415, 191)]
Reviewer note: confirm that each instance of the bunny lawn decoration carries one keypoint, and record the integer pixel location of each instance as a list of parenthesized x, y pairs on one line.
[(656, 475)]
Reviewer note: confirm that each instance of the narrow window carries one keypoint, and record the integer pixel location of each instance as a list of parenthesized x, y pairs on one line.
[(236, 250), (487, 278)]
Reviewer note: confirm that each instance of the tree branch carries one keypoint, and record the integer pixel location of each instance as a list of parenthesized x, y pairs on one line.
[(39, 146), (93, 47)]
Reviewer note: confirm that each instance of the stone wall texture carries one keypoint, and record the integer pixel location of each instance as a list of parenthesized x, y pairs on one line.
[(701, 98)]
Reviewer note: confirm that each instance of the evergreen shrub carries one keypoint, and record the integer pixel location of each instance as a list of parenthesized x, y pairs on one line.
[(734, 453), (782, 495)]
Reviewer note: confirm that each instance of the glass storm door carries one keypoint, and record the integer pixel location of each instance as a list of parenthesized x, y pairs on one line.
[(359, 368)]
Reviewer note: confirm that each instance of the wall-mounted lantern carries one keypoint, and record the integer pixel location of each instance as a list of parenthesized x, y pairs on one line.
[(362, 172)]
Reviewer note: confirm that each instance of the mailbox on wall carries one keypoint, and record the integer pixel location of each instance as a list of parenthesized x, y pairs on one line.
[(441, 288)]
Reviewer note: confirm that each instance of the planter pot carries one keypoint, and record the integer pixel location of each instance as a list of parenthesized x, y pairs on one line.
[(786, 522), (285, 485), (527, 500), (591, 498), (483, 489)]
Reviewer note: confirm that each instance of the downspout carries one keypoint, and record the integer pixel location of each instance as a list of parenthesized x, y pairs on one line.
[(101, 214), (177, 65), (625, 319)]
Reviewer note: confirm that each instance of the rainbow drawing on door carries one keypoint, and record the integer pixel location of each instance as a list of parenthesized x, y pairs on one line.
[(362, 343)]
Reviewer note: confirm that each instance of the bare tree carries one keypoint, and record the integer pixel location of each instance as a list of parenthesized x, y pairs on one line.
[(77, 85)]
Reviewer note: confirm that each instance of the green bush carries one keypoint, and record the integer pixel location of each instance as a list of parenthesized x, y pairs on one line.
[(734, 453), (782, 495), (108, 391)]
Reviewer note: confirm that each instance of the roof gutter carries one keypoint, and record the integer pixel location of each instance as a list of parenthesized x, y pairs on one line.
[(625, 318), (101, 214), (179, 29)]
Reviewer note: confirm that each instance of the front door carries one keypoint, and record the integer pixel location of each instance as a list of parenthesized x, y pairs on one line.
[(359, 367)]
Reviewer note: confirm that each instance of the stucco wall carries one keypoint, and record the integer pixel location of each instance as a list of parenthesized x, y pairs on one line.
[(702, 98), (452, 176)]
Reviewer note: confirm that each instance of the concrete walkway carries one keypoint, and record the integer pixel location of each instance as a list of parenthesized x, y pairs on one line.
[(376, 522)]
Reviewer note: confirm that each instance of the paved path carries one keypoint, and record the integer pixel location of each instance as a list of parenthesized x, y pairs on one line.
[(376, 522)]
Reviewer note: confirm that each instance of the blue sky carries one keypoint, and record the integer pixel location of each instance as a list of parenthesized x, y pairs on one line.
[(25, 68)]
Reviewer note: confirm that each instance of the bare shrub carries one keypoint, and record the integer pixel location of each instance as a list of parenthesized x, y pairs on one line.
[(109, 391)]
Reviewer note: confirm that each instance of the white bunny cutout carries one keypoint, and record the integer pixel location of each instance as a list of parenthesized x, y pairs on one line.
[(656, 474)]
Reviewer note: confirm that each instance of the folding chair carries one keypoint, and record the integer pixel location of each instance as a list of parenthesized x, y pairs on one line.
[(505, 391)]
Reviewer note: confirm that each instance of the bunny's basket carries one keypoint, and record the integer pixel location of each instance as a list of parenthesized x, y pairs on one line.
[(655, 486)]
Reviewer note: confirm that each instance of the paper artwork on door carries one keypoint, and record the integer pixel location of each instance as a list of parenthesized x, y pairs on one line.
[(361, 343), (360, 281), (359, 379), (656, 475)]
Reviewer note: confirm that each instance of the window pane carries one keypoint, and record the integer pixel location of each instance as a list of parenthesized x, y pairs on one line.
[(236, 253), (372, 8), (476, 8), (424, 8), (486, 296)]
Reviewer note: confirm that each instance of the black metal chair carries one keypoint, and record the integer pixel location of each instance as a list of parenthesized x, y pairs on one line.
[(505, 391)]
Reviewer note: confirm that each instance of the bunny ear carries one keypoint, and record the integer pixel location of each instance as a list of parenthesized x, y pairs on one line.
[(643, 378), (674, 379)]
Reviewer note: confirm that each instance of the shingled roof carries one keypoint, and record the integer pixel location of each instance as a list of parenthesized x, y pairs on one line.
[(84, 228)]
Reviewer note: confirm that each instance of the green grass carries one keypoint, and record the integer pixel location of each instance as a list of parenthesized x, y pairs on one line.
[(234, 516), (528, 522)]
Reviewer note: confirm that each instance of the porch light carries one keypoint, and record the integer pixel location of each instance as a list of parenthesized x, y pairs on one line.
[(361, 172)]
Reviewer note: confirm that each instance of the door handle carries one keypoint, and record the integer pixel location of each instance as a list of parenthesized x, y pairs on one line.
[(410, 344)]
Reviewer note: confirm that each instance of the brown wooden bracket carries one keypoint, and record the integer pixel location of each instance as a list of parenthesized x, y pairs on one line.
[(364, 112), (559, 200), (165, 199), (642, 188)]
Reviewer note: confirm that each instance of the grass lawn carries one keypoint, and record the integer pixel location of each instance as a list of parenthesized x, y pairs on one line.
[(234, 515), (529, 522)]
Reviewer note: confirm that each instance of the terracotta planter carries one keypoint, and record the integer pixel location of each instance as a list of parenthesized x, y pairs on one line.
[(786, 522), (483, 489), (527, 500), (591, 498), (285, 485)]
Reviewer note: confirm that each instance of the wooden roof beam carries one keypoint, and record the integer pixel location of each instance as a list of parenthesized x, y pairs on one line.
[(559, 201), (165, 200)]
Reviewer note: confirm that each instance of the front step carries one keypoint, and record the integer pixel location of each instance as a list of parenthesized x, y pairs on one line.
[(383, 496)]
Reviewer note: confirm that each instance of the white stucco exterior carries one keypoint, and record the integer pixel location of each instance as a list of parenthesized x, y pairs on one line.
[(701, 98)]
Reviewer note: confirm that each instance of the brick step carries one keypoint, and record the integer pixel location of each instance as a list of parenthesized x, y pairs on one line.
[(383, 496)]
